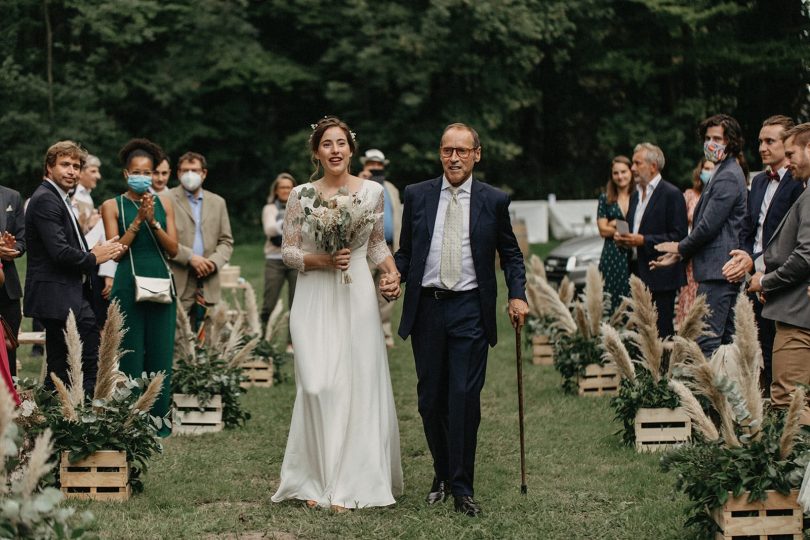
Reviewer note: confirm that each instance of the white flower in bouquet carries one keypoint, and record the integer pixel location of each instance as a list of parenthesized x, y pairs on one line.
[(335, 223)]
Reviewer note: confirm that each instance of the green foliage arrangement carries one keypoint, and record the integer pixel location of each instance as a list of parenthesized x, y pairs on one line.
[(572, 354), (643, 393), (207, 374), (29, 511), (271, 352), (707, 472)]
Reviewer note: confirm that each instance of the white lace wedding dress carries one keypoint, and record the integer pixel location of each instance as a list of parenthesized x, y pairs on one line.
[(343, 445)]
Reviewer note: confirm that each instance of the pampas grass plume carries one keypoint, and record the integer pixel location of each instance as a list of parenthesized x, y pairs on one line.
[(269, 330), (594, 298), (38, 465), (109, 351), (616, 352), (792, 422), (150, 395), (694, 323), (244, 353), (253, 320), (68, 410), (692, 407), (566, 291), (74, 357)]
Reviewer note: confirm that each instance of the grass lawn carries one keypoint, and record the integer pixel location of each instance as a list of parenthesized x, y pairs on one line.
[(582, 482)]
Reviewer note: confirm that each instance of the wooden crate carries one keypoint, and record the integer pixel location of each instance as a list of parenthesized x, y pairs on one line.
[(102, 476), (542, 351), (599, 380), (188, 419), (229, 275), (660, 429), (777, 515), (258, 373)]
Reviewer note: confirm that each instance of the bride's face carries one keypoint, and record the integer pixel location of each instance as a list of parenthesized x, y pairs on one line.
[(334, 152)]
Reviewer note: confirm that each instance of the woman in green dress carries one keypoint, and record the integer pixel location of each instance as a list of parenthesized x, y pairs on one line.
[(144, 223), (613, 205)]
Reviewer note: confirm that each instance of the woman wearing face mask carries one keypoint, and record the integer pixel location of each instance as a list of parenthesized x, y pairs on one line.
[(613, 205), (145, 223), (275, 271), (701, 175)]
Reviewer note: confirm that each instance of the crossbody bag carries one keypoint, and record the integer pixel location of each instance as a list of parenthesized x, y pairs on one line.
[(150, 289)]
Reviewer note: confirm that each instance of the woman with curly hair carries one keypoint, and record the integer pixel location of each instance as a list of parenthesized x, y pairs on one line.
[(145, 223)]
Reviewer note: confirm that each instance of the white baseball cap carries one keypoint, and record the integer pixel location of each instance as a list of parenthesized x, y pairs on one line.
[(372, 154)]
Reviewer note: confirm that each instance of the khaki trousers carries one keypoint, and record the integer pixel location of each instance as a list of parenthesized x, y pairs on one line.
[(791, 364)]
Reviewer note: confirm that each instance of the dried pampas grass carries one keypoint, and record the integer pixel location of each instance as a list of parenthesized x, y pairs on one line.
[(692, 407), (533, 297), (694, 323), (555, 308), (622, 310), (244, 353), (594, 298), (616, 352), (566, 291), (746, 338), (216, 324), (792, 422), (269, 329), (644, 322), (109, 351), (38, 465), (185, 339), (254, 323), (704, 382), (150, 395), (581, 319), (536, 267), (68, 410), (74, 358)]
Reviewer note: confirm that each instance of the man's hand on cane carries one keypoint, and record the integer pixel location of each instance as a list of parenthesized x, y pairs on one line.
[(518, 309)]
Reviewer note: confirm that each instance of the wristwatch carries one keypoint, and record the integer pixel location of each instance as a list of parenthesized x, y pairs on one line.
[(156, 226)]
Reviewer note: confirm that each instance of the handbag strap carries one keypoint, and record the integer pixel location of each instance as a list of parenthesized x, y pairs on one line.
[(157, 246)]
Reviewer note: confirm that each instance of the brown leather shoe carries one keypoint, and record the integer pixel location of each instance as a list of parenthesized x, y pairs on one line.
[(440, 492), (466, 505)]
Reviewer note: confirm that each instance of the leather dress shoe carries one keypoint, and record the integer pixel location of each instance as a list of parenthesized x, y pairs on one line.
[(440, 492), (466, 505)]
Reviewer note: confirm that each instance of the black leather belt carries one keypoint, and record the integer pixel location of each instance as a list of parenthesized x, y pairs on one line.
[(441, 294)]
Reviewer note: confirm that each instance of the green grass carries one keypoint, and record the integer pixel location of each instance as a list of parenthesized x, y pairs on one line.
[(581, 482)]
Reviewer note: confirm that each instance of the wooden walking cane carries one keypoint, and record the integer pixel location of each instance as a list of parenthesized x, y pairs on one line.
[(518, 352)]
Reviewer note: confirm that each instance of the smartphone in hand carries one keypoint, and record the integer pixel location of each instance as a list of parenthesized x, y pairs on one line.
[(622, 227)]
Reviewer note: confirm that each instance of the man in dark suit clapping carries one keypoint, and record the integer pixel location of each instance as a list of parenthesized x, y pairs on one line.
[(452, 227), (772, 193), (657, 213), (783, 284), (12, 246), (716, 226), (60, 264)]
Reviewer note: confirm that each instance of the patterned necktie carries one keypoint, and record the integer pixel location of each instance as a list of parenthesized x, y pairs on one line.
[(451, 242)]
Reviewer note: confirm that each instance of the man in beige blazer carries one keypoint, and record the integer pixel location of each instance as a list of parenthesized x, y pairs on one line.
[(203, 233), (374, 163)]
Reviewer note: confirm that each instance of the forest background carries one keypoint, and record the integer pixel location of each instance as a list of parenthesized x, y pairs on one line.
[(556, 88)]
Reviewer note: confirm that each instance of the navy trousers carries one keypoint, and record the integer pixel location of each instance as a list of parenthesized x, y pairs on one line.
[(721, 297), (450, 350)]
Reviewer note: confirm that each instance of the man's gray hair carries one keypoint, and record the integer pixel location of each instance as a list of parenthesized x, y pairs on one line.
[(92, 161), (652, 154)]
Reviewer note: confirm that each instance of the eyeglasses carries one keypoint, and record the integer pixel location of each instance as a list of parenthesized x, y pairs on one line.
[(463, 153)]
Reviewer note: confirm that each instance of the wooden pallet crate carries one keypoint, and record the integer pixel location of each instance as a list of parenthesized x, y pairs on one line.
[(599, 380), (660, 429), (188, 419), (258, 373), (542, 351), (777, 515), (101, 476)]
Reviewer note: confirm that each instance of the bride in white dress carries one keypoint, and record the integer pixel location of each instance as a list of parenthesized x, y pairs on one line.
[(343, 446)]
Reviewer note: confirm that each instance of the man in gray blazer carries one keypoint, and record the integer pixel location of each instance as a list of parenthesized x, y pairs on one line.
[(783, 285), (716, 226)]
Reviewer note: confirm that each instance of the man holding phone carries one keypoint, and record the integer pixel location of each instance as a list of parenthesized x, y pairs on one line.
[(657, 214)]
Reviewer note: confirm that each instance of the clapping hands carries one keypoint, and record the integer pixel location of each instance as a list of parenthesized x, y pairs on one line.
[(146, 211), (8, 246), (389, 286)]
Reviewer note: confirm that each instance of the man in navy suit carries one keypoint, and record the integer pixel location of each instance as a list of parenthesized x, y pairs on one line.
[(60, 264), (657, 213), (716, 226), (452, 227), (772, 193)]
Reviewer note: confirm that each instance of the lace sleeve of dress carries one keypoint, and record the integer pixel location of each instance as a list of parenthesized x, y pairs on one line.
[(291, 252), (377, 248)]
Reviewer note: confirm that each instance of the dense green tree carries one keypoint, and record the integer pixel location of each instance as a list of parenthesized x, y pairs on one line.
[(555, 87)]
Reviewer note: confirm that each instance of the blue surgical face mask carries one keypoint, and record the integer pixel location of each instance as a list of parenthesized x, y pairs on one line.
[(139, 183), (705, 176)]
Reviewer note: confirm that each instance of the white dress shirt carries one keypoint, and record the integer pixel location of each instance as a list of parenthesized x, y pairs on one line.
[(770, 191), (432, 277), (65, 200), (82, 194), (643, 201)]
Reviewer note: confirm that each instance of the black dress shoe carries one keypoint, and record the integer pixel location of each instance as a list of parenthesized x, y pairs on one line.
[(466, 505), (440, 492)]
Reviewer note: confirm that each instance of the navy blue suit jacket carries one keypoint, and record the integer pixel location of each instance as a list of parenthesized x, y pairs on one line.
[(12, 219), (717, 222), (664, 220), (57, 263), (490, 231), (786, 194)]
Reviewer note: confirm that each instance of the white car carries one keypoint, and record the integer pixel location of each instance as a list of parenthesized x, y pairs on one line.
[(572, 258)]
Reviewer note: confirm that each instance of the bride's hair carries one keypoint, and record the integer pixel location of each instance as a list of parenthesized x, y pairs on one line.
[(317, 134)]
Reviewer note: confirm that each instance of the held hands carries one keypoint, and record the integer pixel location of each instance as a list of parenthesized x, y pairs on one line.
[(628, 240), (740, 263), (755, 286), (146, 211), (109, 250), (108, 283), (518, 309), (8, 249), (390, 287), (340, 259), (202, 267), (670, 255)]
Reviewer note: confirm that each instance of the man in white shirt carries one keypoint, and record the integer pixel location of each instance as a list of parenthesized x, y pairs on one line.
[(160, 178)]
